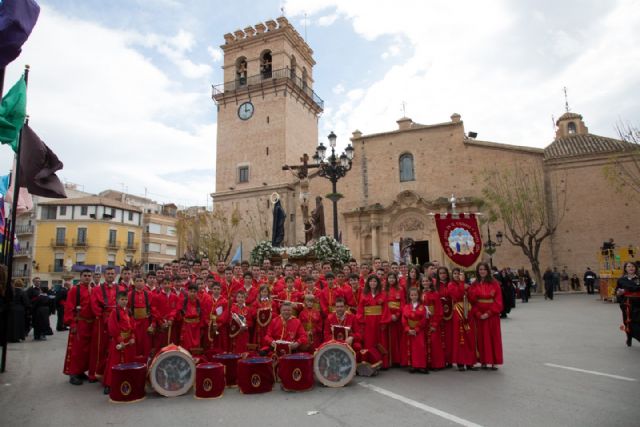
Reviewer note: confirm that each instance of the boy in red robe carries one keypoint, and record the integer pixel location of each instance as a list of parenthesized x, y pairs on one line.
[(217, 335), (290, 293), (239, 323), (140, 306), (433, 336), (351, 292), (463, 344), (122, 333), (191, 315), (328, 295), (163, 312), (311, 320), (80, 318), (345, 319)]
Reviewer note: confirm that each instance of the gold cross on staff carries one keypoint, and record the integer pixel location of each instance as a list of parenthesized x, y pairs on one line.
[(303, 169)]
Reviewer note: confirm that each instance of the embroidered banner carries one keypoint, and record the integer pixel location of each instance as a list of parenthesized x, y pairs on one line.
[(460, 238)]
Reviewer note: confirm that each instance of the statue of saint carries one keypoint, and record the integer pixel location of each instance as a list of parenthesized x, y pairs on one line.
[(317, 220), (279, 217)]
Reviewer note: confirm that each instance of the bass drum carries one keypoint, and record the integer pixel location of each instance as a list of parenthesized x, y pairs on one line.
[(172, 371), (334, 364)]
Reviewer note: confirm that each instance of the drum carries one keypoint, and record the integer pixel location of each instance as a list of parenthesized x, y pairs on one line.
[(172, 371), (296, 372), (230, 362), (128, 382), (255, 375), (209, 380), (334, 364)]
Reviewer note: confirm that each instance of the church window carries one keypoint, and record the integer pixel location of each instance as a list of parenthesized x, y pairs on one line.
[(243, 174), (571, 127), (241, 71), (406, 168), (265, 64)]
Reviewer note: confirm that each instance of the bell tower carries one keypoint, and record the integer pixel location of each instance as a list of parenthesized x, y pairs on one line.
[(267, 109), (267, 118)]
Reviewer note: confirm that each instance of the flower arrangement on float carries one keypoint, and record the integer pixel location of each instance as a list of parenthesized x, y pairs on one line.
[(324, 249)]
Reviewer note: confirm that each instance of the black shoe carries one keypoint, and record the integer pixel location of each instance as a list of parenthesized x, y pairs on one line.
[(461, 368), (75, 380), (92, 380), (413, 370), (629, 341), (424, 371), (83, 376), (484, 367), (107, 390), (494, 368), (471, 368), (448, 366)]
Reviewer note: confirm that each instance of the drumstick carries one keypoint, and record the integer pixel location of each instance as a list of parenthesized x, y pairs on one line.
[(292, 302)]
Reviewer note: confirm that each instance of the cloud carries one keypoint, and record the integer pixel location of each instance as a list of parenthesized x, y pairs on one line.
[(215, 53), (500, 64), (338, 89), (111, 114), (327, 20)]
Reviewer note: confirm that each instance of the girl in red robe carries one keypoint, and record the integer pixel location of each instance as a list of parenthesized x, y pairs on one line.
[(485, 296), (191, 315), (395, 302), (262, 311), (412, 281), (122, 347), (463, 344), (433, 337), (311, 320), (414, 323), (446, 324), (373, 315), (140, 307)]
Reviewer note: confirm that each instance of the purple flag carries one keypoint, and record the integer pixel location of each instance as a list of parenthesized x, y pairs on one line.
[(17, 19), (38, 166)]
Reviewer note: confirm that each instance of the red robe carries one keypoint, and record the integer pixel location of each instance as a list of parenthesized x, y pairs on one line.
[(463, 345), (293, 296), (446, 324), (121, 329), (433, 336), (191, 315), (262, 313), (286, 330), (373, 315), (415, 318), (80, 319), (140, 306), (218, 313), (352, 298), (487, 298), (311, 320), (397, 345), (350, 321), (163, 310), (103, 302), (239, 340), (328, 299)]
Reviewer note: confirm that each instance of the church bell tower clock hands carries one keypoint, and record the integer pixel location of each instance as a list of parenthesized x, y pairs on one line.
[(245, 111)]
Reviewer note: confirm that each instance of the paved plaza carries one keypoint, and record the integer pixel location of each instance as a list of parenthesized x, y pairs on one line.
[(566, 365)]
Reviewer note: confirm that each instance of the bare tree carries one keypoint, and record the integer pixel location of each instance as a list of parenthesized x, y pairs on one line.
[(209, 233), (624, 168), (257, 221), (529, 205)]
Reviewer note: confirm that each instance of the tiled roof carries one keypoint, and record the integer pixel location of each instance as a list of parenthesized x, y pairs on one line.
[(582, 145)]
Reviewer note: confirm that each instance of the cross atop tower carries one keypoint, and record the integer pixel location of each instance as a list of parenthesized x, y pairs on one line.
[(566, 100)]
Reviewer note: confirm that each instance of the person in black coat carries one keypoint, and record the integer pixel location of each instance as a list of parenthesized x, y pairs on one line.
[(61, 298), (40, 314), (18, 309), (628, 293), (548, 280)]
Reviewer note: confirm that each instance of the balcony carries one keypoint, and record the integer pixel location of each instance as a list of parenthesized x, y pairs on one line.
[(80, 243), (56, 269), (24, 229), (58, 243), (112, 244), (22, 252), (21, 273), (131, 247), (265, 80)]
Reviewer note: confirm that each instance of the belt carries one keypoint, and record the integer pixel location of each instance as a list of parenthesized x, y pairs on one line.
[(486, 300), (373, 310), (413, 323), (125, 335), (140, 313), (430, 307), (85, 319), (191, 320), (394, 304)]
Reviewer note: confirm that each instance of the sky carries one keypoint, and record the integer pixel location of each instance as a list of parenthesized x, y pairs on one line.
[(121, 90)]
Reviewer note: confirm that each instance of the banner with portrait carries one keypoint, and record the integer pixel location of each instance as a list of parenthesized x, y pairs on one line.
[(460, 238)]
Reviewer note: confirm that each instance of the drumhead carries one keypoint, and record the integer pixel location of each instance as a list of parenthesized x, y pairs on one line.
[(334, 364), (172, 373)]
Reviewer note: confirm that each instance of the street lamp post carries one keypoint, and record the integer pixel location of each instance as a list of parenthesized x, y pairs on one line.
[(333, 168), (490, 246)]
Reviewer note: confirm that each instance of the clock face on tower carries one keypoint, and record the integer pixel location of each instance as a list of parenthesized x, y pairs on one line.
[(245, 111)]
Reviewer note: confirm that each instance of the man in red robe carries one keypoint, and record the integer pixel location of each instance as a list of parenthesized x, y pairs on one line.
[(311, 320), (191, 315), (329, 294), (163, 311), (286, 328), (140, 306), (343, 326), (79, 316)]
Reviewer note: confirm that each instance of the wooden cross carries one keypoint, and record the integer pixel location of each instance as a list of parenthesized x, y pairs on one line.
[(303, 169)]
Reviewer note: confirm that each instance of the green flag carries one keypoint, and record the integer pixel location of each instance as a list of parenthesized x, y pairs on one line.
[(13, 110)]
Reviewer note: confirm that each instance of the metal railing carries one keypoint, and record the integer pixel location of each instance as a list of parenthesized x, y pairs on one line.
[(80, 243), (24, 229), (283, 73), (21, 273), (131, 246), (59, 243), (111, 244), (23, 252)]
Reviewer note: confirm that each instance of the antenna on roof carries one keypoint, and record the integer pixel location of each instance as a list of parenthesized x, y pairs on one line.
[(305, 26), (566, 100), (404, 109)]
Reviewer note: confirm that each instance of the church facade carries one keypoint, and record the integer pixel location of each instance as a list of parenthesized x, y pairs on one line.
[(268, 117)]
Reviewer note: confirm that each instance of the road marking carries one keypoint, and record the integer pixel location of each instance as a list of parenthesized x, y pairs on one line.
[(570, 368), (422, 406)]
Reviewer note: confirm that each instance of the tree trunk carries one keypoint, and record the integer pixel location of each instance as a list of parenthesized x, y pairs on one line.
[(535, 268)]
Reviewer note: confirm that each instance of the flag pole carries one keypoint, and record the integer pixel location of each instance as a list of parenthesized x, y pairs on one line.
[(12, 228)]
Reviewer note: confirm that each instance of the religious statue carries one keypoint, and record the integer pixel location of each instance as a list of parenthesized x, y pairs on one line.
[(317, 220), (279, 217), (301, 172)]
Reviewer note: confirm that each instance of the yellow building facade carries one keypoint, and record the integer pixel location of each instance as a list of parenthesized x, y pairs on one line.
[(88, 232)]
